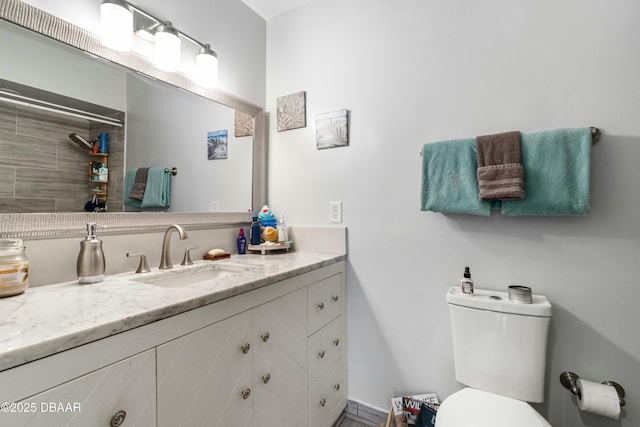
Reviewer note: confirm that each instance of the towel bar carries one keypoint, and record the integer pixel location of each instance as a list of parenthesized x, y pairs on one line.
[(595, 136), (173, 171)]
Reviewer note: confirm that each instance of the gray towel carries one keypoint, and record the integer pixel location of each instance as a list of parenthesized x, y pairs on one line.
[(500, 172), (139, 184)]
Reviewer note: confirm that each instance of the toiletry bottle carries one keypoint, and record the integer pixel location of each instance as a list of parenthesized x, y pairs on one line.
[(91, 263), (242, 243), (282, 230), (467, 283), (103, 173), (103, 143), (255, 231)]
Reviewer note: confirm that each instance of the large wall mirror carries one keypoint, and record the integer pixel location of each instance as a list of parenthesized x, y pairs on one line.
[(166, 121)]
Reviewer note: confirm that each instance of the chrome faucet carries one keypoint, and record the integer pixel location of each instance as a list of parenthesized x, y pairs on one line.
[(165, 258)]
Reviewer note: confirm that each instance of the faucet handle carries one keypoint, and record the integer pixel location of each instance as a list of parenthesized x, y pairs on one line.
[(187, 255), (143, 267)]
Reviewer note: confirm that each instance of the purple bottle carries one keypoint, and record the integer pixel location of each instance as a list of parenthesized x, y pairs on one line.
[(242, 243)]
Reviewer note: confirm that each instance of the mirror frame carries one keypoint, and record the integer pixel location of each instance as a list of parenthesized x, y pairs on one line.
[(61, 224)]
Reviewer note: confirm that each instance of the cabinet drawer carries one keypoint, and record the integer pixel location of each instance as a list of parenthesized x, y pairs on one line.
[(280, 361), (325, 347), (280, 328), (204, 378), (280, 393), (324, 302), (327, 397), (124, 390)]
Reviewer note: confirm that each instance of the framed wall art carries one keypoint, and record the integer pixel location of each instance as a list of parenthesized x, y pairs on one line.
[(291, 111)]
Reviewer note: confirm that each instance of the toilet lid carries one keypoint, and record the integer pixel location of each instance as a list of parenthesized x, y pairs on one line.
[(470, 407)]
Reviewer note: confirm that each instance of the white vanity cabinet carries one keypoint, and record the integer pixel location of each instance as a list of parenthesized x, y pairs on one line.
[(272, 356)]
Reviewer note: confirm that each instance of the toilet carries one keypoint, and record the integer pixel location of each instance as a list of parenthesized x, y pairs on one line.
[(499, 349)]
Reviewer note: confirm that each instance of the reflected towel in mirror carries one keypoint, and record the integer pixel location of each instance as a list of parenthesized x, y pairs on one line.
[(139, 184), (157, 192)]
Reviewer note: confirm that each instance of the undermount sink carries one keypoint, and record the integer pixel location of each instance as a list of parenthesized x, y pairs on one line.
[(181, 276)]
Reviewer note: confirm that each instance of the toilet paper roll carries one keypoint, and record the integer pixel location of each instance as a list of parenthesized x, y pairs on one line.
[(598, 399)]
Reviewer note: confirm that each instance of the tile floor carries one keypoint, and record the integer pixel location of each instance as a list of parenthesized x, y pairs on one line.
[(345, 421)]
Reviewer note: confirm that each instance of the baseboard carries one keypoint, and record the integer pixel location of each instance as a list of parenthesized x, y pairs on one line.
[(360, 411)]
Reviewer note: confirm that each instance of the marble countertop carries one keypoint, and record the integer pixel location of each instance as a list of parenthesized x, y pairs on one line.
[(48, 319)]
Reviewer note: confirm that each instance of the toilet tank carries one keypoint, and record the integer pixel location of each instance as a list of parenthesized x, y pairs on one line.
[(499, 345)]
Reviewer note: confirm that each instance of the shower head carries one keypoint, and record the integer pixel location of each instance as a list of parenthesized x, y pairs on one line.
[(81, 141)]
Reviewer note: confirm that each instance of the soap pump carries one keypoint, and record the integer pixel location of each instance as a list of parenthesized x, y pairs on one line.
[(91, 262)]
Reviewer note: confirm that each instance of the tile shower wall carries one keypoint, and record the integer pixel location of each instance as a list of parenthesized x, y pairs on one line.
[(42, 170)]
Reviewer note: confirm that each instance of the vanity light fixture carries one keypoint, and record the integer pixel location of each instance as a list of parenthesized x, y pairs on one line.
[(167, 41), (207, 67), (116, 25), (156, 39)]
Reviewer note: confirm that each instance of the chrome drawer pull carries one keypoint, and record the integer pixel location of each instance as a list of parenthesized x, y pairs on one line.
[(336, 342), (245, 393), (335, 298), (118, 419), (265, 336), (321, 354), (321, 306), (336, 387), (245, 348), (323, 402), (266, 378)]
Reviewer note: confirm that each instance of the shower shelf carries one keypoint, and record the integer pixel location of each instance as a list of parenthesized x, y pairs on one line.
[(102, 183)]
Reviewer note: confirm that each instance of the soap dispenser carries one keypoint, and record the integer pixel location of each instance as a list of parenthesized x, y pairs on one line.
[(91, 263)]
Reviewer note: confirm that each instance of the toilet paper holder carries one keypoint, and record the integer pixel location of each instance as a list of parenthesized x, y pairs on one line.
[(569, 380)]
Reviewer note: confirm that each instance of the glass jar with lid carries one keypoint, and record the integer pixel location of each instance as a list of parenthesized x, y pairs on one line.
[(14, 267)]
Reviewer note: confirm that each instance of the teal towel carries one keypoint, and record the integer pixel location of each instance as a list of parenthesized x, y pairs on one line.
[(556, 169), (157, 193), (129, 177), (449, 182)]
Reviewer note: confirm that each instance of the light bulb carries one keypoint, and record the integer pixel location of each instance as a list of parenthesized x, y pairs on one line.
[(167, 43), (207, 67), (116, 25)]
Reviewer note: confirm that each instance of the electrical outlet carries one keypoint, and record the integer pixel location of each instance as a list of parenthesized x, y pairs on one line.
[(215, 207), (335, 212)]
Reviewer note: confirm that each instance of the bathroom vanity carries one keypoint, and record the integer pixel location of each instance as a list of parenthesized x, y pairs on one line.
[(262, 342)]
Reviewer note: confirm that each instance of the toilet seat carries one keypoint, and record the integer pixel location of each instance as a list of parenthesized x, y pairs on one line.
[(470, 407)]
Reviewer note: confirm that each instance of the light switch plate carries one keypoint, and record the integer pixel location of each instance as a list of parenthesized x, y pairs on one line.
[(335, 212)]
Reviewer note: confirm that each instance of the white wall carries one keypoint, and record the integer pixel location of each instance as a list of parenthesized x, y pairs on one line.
[(412, 72)]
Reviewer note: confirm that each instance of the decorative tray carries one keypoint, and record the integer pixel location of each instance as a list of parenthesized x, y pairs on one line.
[(267, 247), (216, 257)]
